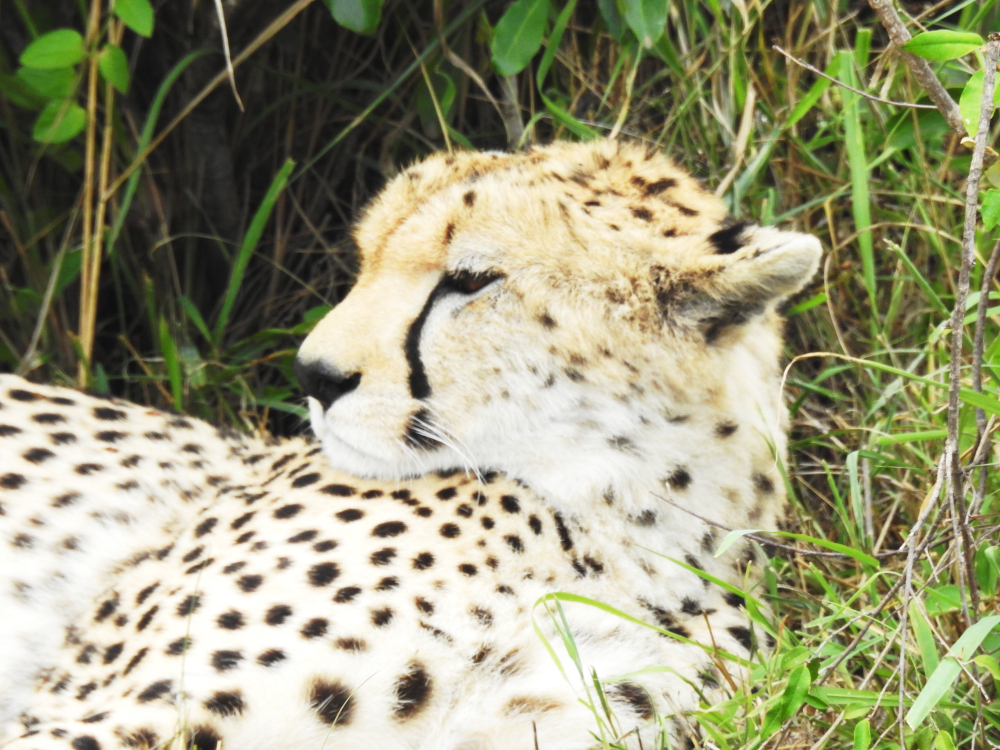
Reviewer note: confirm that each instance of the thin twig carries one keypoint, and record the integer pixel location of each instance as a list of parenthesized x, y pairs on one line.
[(978, 347), (920, 68), (865, 94), (956, 496)]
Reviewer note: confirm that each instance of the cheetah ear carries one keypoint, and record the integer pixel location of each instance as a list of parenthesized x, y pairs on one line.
[(753, 268)]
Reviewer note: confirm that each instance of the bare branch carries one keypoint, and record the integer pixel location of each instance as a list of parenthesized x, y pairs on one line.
[(920, 68), (865, 94)]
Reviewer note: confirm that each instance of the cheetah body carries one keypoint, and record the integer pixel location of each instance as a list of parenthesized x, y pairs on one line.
[(548, 360)]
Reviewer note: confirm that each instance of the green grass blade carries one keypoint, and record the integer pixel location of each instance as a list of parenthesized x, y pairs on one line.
[(172, 362), (250, 240)]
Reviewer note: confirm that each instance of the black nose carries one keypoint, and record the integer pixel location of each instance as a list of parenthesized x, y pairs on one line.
[(323, 383)]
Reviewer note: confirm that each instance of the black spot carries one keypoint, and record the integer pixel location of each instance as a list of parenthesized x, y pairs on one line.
[(277, 614), (154, 691), (468, 569), (233, 567), (727, 240), (315, 628), (94, 719), (383, 556), (204, 739), (447, 493), (110, 436), (742, 635), (515, 543), (113, 652), (231, 620), (350, 514), (564, 537), (189, 605), (38, 455), (340, 490), (270, 657), (142, 739), (193, 554), (763, 483), (655, 188), (381, 617), (352, 644), (734, 600), (725, 429), (282, 461), (226, 703), (594, 565), (134, 661), (387, 584), (305, 480), (44, 418), (86, 654), (634, 696), (450, 530), (690, 606), (412, 691), (325, 546), (108, 414), (424, 606), (423, 561), (464, 510), (178, 647), (642, 213), (147, 618), (535, 524), (205, 527), (6, 430), (332, 701), (85, 742), (107, 608), (13, 481), (249, 583), (346, 594), (242, 520), (469, 198), (389, 528), (287, 511), (303, 536), (224, 660), (323, 574), (510, 504), (400, 494), (420, 388), (449, 232), (487, 522), (679, 479), (62, 438)]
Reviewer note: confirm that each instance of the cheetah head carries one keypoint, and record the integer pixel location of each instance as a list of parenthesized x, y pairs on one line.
[(542, 312)]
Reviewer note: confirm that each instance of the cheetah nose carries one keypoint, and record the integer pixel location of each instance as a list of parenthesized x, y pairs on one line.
[(323, 383)]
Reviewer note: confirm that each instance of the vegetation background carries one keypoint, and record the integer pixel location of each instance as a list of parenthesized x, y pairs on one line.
[(175, 254)]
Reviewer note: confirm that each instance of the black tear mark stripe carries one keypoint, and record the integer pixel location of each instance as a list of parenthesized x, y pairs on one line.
[(420, 388)]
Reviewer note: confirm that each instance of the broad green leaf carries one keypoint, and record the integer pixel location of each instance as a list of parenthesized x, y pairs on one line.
[(59, 122), (971, 100), (57, 49), (943, 599), (559, 114), (518, 35), (612, 18), (943, 741), (925, 639), (862, 735), (114, 67), (647, 19), (943, 44), (988, 568), (136, 14), (939, 683), (991, 209), (360, 16), (54, 83), (983, 401), (18, 92), (990, 665)]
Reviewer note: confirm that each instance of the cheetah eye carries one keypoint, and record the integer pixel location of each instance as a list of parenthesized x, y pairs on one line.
[(469, 282)]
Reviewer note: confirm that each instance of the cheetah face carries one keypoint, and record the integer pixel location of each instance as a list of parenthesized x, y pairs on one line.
[(538, 313)]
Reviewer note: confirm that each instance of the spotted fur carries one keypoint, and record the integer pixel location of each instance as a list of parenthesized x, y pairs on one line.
[(547, 358)]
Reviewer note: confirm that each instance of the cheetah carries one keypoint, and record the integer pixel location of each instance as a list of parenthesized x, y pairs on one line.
[(550, 362)]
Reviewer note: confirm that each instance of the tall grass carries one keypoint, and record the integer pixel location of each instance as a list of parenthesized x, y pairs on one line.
[(213, 268)]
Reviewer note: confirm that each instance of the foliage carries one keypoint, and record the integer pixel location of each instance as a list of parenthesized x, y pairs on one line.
[(175, 255)]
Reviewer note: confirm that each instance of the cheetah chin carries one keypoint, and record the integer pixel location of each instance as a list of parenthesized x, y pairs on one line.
[(548, 360)]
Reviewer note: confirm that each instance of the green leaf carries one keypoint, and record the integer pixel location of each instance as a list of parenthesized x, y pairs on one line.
[(939, 683), (991, 209), (983, 401), (169, 351), (971, 101), (731, 538), (57, 49), (862, 735), (612, 18), (815, 92), (943, 741), (646, 18), (925, 639), (559, 114), (942, 600), (518, 35), (59, 122), (361, 16), (114, 67), (990, 665), (54, 83), (943, 44), (136, 14), (249, 244), (988, 568)]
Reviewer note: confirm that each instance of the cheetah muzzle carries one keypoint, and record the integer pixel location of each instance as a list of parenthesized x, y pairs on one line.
[(546, 359)]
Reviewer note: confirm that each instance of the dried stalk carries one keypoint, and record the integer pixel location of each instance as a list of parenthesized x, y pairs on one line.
[(978, 347), (956, 495), (920, 68)]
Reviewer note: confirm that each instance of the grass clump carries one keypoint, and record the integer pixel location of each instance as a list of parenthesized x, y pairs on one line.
[(220, 247)]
